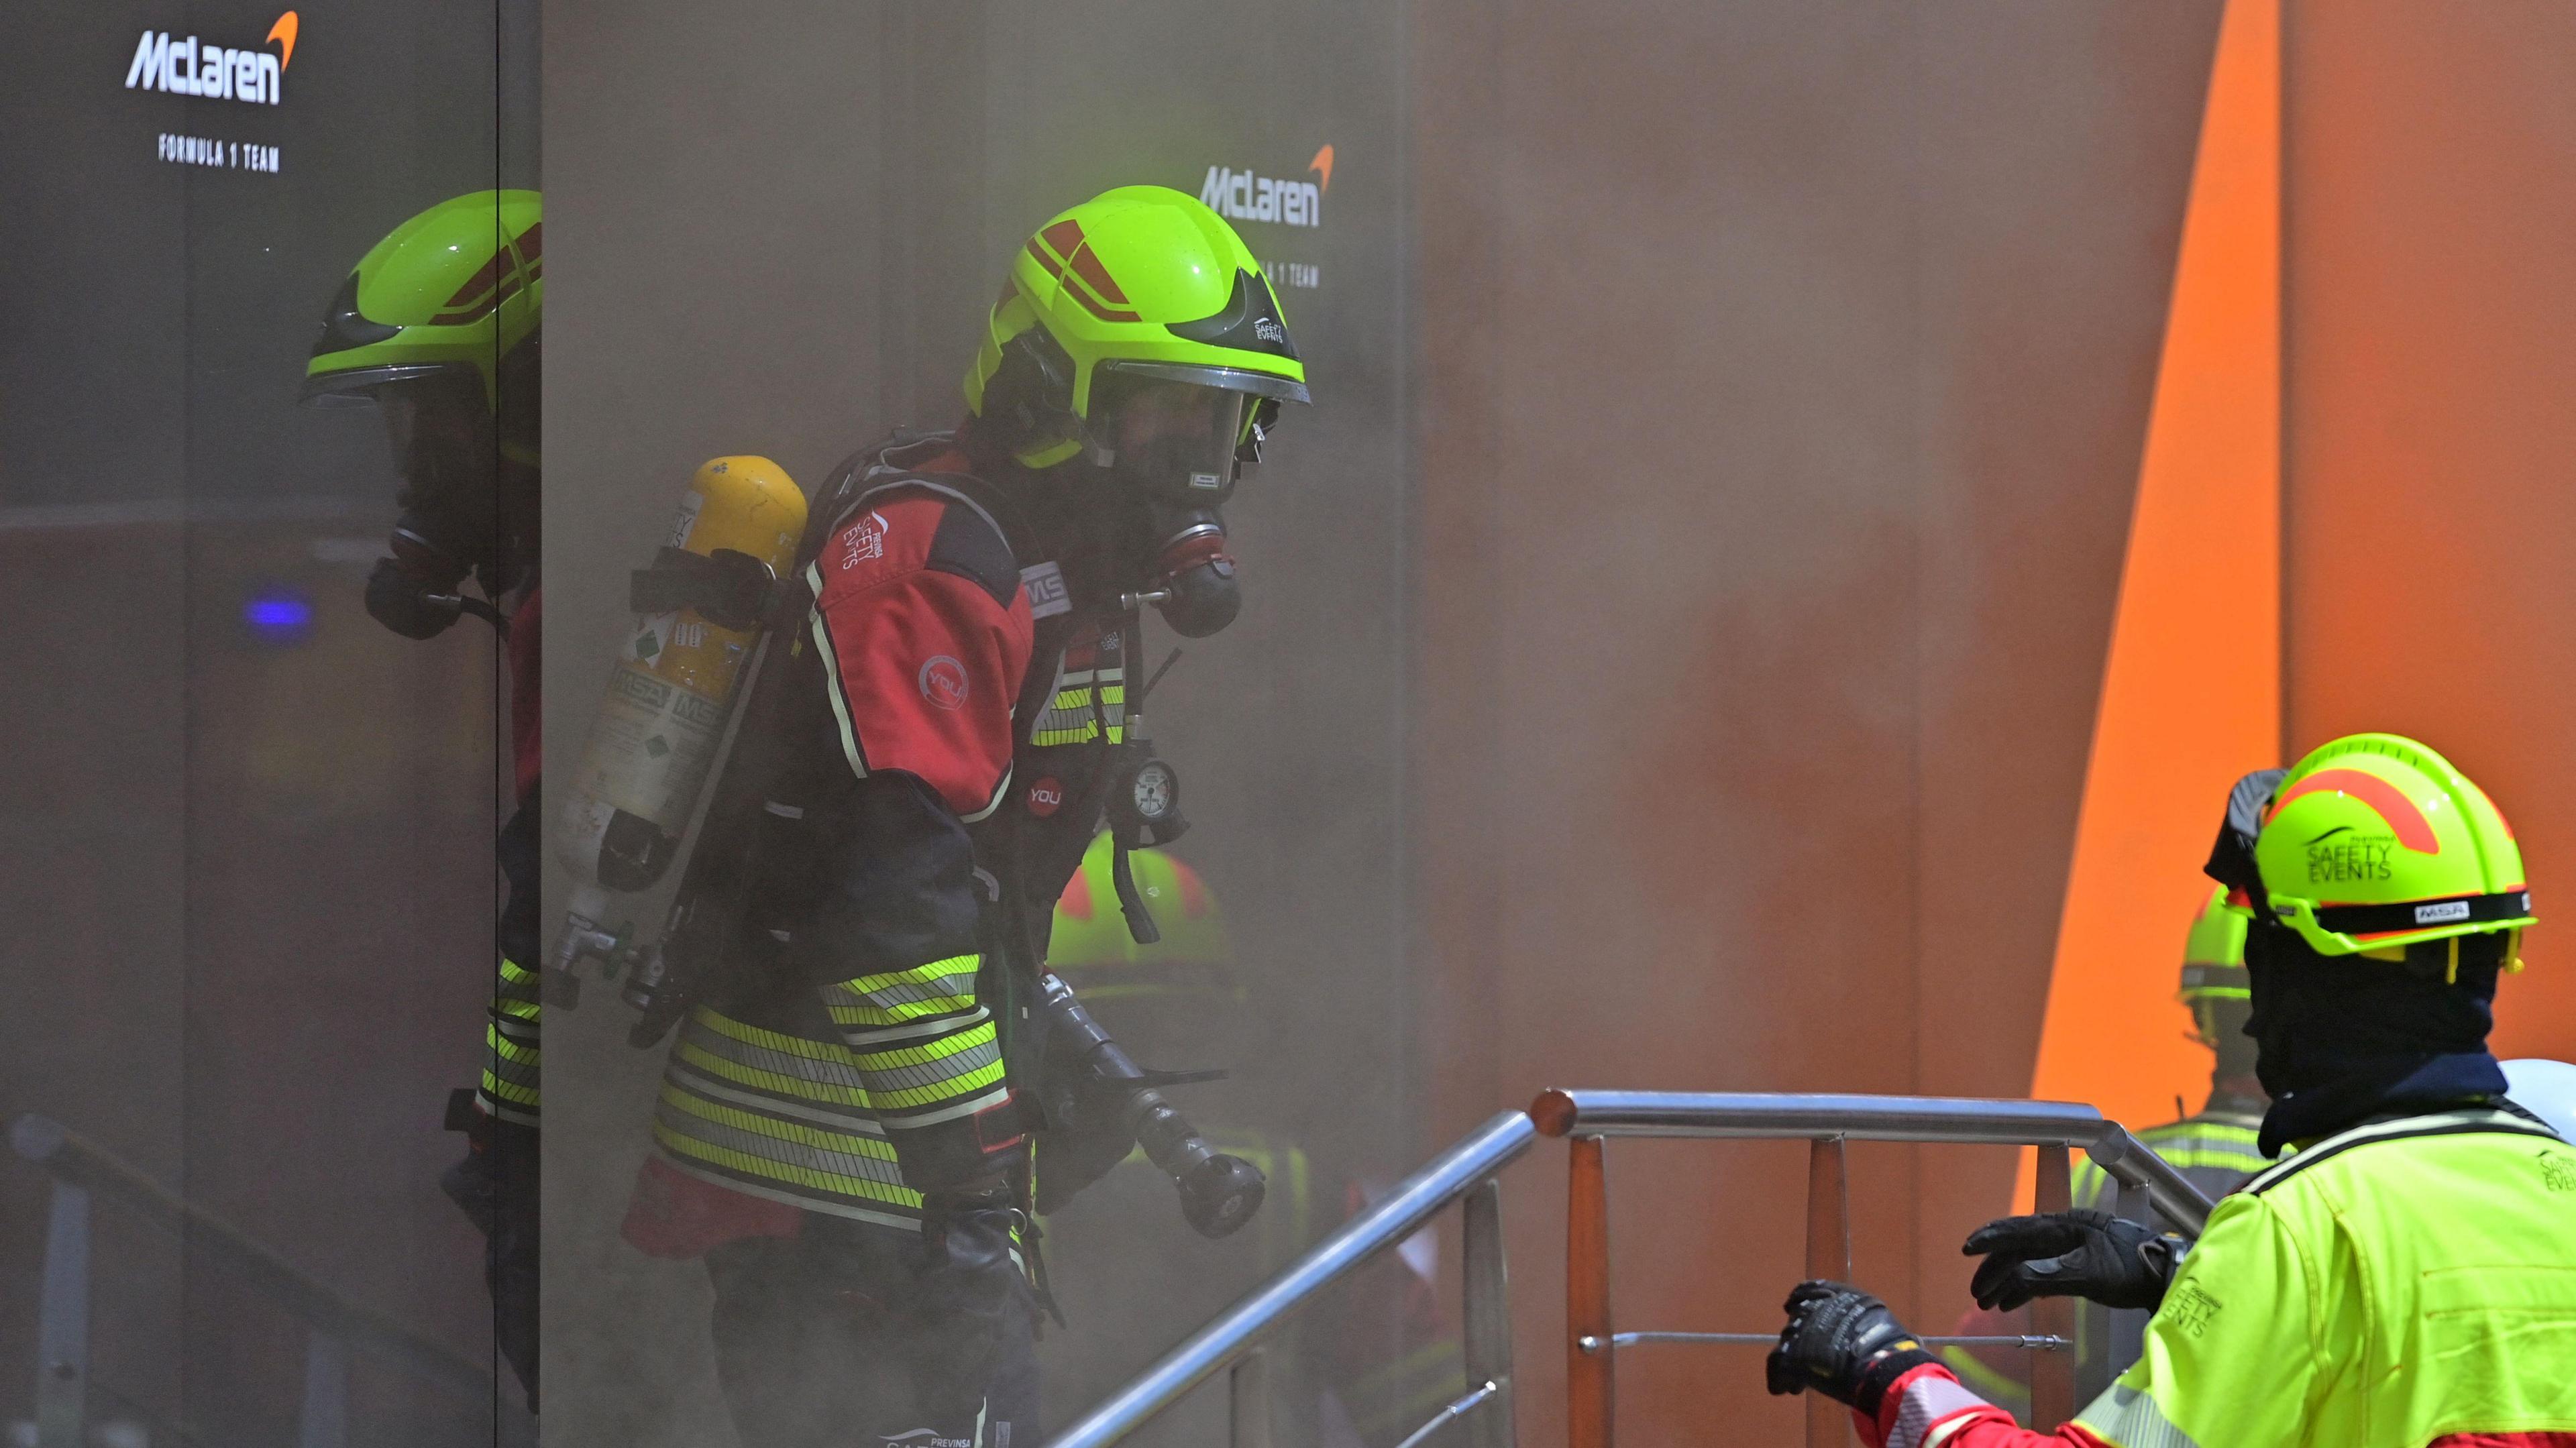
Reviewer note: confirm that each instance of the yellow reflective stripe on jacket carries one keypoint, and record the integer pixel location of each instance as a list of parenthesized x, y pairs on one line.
[(942, 987), (935, 1062), (966, 1065), (779, 1116), (750, 1155), (1070, 716)]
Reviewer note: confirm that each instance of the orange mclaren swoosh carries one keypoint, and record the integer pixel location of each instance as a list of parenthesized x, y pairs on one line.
[(1323, 164), (283, 32)]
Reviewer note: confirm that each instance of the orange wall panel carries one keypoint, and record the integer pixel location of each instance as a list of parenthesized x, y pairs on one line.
[(1785, 373), (2191, 698), (2430, 359)]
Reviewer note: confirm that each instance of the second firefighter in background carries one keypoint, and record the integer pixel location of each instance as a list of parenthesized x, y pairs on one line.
[(841, 1136), (2215, 1147)]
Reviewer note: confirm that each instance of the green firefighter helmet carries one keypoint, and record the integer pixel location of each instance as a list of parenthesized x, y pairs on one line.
[(453, 291), (2375, 843), (1091, 948), (1142, 283), (2213, 955)]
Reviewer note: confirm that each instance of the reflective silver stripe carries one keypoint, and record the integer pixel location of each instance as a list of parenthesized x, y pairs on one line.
[(832, 674), (491, 1107), (890, 1077), (915, 1120), (750, 1140), (1000, 790), (852, 1119), (2437, 1123), (916, 1030), (912, 989), (514, 1072), (2128, 1418), (519, 1031), (1926, 1401), (883, 1216), (827, 1074)]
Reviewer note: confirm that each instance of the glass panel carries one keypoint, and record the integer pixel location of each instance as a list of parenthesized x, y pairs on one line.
[(246, 833)]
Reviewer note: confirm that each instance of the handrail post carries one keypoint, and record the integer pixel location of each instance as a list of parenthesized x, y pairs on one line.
[(1828, 1256), (2052, 1374), (1248, 1400), (1488, 1314), (1590, 1381), (2115, 1337), (62, 1322), (325, 1420)]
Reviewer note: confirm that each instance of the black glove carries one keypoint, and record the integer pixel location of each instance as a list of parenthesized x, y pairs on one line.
[(1843, 1343), (2094, 1255), (404, 603)]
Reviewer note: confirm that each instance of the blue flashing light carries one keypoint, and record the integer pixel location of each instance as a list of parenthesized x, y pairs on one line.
[(277, 614)]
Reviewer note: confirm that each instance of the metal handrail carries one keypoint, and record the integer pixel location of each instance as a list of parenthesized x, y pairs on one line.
[(80, 1167), (1449, 1177), (1826, 1122), (1957, 1120), (1468, 1171)]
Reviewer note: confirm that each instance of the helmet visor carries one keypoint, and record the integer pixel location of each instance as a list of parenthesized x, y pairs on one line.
[(1175, 439)]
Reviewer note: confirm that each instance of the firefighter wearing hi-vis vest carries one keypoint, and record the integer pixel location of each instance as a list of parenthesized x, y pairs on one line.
[(1368, 1368), (2408, 1275), (437, 329), (857, 1118), (2214, 1147), (1180, 1001)]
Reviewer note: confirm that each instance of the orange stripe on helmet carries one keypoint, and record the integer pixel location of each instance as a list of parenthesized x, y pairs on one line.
[(2414, 831), (1068, 260)]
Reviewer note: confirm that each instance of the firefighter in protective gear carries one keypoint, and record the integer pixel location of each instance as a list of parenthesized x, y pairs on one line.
[(844, 1127), (2214, 1147), (2408, 1275), (437, 329)]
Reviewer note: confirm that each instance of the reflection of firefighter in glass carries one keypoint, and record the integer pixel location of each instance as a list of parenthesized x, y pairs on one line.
[(2407, 1276), (864, 1104), (2214, 1146), (437, 328)]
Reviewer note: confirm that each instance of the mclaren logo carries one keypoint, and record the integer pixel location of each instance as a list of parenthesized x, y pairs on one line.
[(192, 67), (1246, 196)]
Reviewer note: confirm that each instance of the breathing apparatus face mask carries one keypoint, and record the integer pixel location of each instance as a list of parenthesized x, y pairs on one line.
[(445, 452), (1172, 450)]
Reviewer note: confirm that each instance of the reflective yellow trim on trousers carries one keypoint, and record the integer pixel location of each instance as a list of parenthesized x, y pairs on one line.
[(936, 988)]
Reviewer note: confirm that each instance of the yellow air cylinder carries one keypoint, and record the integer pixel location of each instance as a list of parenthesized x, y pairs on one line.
[(629, 801)]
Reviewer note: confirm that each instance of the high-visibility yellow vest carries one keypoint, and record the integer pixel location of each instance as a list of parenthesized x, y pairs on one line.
[(2387, 1287)]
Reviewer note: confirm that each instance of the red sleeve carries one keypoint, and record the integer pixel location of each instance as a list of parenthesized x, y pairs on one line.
[(924, 663), (1928, 1406), (527, 719)]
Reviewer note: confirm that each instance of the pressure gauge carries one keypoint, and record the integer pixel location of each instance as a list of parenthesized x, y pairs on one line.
[(1154, 791)]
